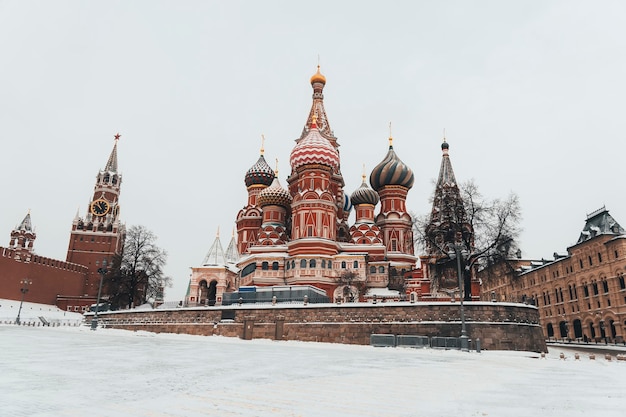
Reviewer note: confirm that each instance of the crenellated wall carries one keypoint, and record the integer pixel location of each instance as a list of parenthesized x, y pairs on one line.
[(49, 277), (501, 326)]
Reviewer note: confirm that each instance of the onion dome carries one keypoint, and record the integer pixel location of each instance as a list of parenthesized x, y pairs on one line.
[(274, 195), (364, 195), (314, 149), (318, 77), (391, 171), (260, 173), (347, 204)]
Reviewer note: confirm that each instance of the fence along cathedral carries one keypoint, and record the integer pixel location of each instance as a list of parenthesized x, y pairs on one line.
[(71, 284)]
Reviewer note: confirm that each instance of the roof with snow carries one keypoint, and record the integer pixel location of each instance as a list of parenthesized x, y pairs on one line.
[(600, 222)]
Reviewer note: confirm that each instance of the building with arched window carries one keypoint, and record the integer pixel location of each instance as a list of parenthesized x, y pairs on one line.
[(581, 295)]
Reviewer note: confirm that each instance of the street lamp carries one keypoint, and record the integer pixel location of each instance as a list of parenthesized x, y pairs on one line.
[(102, 271), (25, 283), (461, 252)]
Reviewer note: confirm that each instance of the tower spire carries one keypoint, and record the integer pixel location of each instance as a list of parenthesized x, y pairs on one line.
[(111, 165), (318, 81)]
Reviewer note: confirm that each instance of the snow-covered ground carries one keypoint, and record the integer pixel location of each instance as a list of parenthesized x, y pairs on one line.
[(34, 314), (72, 371)]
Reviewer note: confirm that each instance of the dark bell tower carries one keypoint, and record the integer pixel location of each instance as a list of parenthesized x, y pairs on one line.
[(99, 235)]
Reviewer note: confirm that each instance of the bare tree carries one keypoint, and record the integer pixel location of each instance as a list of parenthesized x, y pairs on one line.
[(353, 287), (137, 275), (495, 226)]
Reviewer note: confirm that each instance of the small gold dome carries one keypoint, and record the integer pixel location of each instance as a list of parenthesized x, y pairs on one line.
[(318, 77)]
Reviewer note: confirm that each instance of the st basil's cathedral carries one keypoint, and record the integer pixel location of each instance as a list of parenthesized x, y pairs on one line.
[(299, 235)]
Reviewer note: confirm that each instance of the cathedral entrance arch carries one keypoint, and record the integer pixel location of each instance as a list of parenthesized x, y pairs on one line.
[(346, 294), (212, 292), (203, 291)]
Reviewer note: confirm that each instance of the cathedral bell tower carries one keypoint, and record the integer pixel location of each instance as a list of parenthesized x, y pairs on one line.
[(99, 235)]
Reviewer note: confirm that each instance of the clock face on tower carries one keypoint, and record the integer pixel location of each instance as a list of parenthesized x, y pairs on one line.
[(100, 207)]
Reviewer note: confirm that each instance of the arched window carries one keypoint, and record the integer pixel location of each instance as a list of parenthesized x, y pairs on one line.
[(355, 264), (288, 265), (343, 264), (323, 263), (265, 266), (274, 266), (312, 263), (302, 263), (605, 286), (293, 264), (381, 269), (329, 265), (248, 269), (372, 269)]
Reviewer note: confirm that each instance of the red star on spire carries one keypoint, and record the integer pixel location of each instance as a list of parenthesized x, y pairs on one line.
[(117, 136)]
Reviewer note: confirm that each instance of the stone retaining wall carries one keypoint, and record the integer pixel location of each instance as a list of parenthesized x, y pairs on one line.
[(502, 326)]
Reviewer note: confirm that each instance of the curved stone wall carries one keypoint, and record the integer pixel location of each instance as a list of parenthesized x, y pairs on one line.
[(501, 326)]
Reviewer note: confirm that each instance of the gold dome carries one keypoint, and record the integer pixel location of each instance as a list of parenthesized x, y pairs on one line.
[(318, 77)]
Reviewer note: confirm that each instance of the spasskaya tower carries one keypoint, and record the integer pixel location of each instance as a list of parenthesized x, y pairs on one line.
[(99, 235)]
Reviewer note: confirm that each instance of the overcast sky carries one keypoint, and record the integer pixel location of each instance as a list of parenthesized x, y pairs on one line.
[(530, 93)]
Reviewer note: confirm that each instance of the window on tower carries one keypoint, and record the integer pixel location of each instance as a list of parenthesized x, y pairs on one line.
[(265, 266), (303, 264), (312, 263), (355, 264), (274, 266)]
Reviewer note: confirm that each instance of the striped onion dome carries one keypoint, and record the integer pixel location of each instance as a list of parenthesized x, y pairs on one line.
[(260, 173), (274, 195), (314, 149), (391, 171), (347, 204), (364, 195)]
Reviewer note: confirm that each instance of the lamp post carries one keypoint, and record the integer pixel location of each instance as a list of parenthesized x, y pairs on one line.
[(102, 271), (459, 251), (25, 283)]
